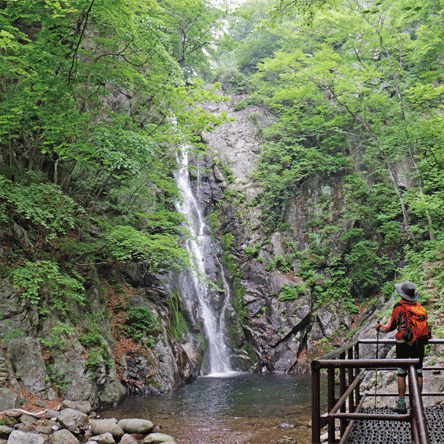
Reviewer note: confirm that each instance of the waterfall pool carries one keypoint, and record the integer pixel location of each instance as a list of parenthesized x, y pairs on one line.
[(230, 409)]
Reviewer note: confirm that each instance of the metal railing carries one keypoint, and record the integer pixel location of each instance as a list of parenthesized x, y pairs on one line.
[(351, 371)]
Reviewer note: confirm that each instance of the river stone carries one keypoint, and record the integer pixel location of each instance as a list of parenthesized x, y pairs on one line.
[(63, 437), (128, 439), (141, 426), (44, 430), (8, 399), (28, 363), (18, 437), (101, 426), (158, 438), (82, 406), (105, 438), (50, 414), (27, 419), (73, 420)]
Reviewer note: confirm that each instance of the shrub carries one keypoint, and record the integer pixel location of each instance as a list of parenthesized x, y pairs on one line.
[(44, 278), (42, 204), (291, 292), (140, 320)]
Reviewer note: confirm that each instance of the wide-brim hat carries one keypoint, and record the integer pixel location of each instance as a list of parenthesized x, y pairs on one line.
[(408, 291)]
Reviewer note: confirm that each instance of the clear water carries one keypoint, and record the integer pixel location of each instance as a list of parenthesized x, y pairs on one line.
[(238, 408)]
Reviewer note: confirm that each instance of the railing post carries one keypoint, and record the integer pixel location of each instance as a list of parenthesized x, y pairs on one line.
[(356, 371), (351, 404), (342, 389), (331, 403), (315, 403), (418, 418)]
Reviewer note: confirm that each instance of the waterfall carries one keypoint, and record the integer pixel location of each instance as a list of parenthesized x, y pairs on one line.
[(200, 248)]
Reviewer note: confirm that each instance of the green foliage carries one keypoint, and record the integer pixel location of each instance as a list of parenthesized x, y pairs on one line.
[(88, 95), (252, 251), (240, 105), (43, 280), (234, 81), (94, 360), (213, 219), (227, 172), (61, 337), (388, 289), (92, 336), (367, 267), (291, 292), (158, 251), (12, 335), (42, 204), (226, 241), (59, 380), (282, 263), (141, 322)]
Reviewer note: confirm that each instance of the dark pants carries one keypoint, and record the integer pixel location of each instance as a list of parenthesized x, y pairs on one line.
[(406, 351)]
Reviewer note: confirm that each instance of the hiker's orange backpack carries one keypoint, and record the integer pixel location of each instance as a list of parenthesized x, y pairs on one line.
[(416, 330)]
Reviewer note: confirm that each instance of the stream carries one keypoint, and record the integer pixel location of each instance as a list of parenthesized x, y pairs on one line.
[(233, 409)]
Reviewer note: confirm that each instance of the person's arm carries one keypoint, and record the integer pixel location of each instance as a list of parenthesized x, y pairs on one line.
[(393, 320)]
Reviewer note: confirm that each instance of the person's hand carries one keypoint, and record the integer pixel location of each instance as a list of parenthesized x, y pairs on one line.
[(377, 326)]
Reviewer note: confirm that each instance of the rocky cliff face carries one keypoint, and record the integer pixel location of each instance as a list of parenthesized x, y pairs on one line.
[(279, 331)]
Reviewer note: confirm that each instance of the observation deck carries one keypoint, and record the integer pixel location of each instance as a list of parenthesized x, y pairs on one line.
[(345, 401)]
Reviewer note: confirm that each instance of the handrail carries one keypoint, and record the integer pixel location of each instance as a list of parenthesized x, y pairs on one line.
[(346, 360)]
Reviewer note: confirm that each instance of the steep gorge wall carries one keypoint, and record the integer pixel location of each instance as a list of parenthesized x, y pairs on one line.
[(284, 335)]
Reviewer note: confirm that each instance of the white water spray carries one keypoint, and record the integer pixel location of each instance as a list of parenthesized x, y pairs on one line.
[(200, 248)]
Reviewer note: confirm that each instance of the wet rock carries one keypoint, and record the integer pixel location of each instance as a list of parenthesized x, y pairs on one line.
[(141, 426), (158, 438), (101, 426)]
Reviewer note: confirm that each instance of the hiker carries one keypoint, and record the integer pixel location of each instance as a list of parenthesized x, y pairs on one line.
[(410, 319)]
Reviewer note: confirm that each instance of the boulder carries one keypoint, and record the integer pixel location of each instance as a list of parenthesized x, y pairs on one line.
[(72, 364), (29, 364), (18, 437), (63, 437), (105, 438), (5, 431), (81, 406), (74, 420), (141, 426), (8, 399), (128, 439), (101, 426), (158, 438)]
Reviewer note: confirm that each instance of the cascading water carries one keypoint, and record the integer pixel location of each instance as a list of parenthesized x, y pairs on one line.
[(200, 248)]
